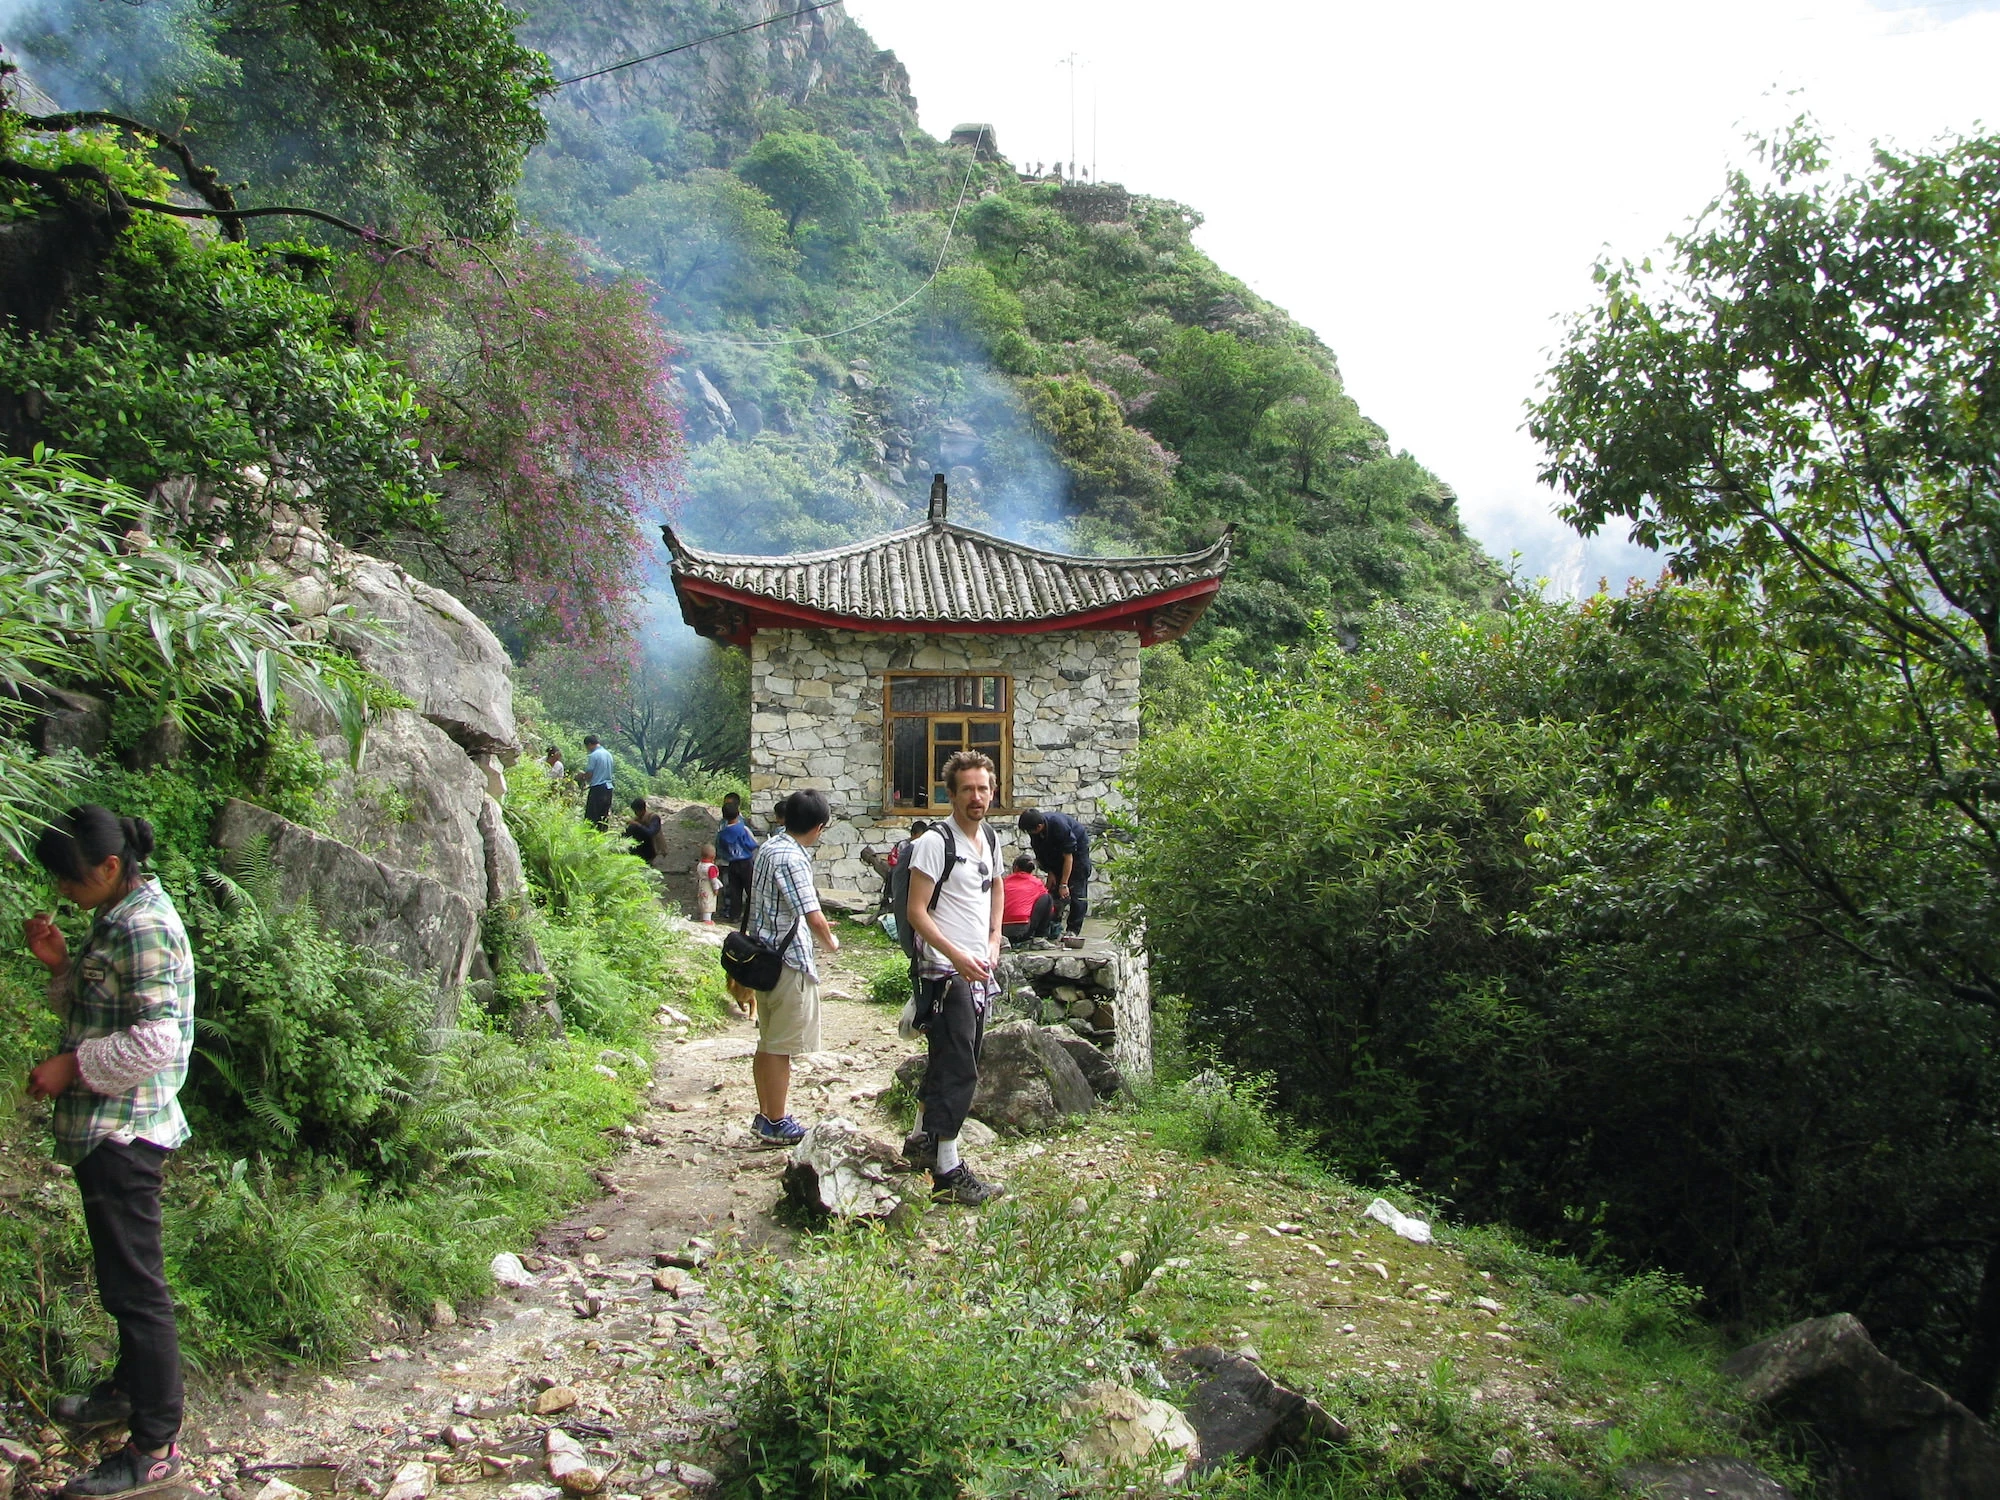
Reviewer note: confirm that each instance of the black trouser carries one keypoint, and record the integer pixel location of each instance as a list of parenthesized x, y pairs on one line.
[(951, 1076), (597, 806), (1079, 894), (736, 890), (1041, 922), (121, 1209)]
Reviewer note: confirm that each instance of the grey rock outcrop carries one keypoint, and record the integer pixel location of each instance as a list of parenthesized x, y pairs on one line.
[(1027, 1082), (1241, 1412), (66, 721), (1888, 1434), (684, 828), (415, 802), (430, 647), (410, 919), (836, 1170), (506, 880), (1099, 1071), (1701, 1479)]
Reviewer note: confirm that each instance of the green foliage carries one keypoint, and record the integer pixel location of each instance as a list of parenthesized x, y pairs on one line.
[(174, 634), (231, 371), (1527, 935), (880, 1371), (709, 237), (807, 176), (372, 107), (603, 928), (310, 1046), (1216, 1114)]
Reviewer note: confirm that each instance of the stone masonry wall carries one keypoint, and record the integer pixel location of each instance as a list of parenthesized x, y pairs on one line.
[(816, 721)]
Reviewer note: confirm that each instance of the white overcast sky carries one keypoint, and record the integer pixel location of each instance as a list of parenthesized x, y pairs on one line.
[(1427, 186)]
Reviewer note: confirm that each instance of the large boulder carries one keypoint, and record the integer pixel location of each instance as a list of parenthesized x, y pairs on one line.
[(684, 828), (427, 644), (414, 802), (1241, 1412), (1027, 1081), (410, 919), (1098, 1070), (1887, 1434)]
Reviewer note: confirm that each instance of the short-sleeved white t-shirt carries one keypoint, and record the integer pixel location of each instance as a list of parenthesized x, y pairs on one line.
[(964, 910)]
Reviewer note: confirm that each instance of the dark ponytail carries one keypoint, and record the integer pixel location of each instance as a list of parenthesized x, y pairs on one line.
[(85, 837)]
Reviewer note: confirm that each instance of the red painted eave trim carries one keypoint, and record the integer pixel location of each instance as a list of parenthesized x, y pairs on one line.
[(765, 613)]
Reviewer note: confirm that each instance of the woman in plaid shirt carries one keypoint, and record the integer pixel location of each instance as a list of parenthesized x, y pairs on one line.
[(127, 1006)]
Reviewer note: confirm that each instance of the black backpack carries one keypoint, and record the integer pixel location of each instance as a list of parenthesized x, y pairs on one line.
[(899, 882)]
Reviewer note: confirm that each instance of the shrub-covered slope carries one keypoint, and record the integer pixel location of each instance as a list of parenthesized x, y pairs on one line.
[(1083, 371)]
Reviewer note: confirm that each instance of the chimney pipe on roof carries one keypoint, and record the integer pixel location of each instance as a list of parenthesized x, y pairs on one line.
[(939, 501)]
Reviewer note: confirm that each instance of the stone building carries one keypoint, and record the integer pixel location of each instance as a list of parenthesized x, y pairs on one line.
[(871, 663)]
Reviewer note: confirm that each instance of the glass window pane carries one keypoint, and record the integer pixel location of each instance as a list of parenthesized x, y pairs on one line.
[(992, 693), (908, 785)]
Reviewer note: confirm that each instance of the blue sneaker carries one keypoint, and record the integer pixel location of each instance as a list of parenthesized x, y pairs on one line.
[(785, 1132)]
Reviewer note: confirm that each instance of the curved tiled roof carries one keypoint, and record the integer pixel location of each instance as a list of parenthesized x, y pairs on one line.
[(938, 573)]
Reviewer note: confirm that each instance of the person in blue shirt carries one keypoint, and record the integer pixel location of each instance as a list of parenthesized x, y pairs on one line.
[(597, 777), (736, 846), (1062, 848)]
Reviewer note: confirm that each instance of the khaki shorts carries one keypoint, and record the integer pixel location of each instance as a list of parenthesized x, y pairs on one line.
[(788, 1015)]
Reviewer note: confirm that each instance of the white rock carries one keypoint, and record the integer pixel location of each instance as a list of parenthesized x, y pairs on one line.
[(508, 1270), (1382, 1211), (414, 1481), (1127, 1428), (277, 1489)]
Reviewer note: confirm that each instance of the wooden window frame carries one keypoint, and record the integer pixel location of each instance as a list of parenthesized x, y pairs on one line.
[(1003, 791)]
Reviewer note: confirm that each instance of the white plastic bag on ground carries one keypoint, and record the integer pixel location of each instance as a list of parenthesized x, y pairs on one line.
[(1382, 1211), (508, 1270)]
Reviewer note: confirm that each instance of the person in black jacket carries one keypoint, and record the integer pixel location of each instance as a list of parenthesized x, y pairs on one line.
[(1062, 848), (643, 829)]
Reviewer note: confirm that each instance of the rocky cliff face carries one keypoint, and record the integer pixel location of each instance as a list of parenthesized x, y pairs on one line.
[(418, 849)]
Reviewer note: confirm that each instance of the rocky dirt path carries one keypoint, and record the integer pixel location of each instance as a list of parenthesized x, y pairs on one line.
[(464, 1406)]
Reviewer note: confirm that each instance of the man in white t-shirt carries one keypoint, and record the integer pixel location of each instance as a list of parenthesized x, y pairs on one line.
[(958, 937)]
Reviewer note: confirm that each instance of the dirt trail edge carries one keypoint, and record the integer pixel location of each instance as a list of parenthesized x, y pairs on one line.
[(471, 1398)]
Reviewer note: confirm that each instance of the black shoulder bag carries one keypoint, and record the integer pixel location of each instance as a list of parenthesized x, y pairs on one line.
[(754, 963)]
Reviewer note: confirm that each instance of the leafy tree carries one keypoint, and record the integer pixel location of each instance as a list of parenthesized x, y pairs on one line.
[(809, 177), (384, 108), (98, 597), (674, 712), (1104, 456), (708, 240), (229, 370), (546, 394)]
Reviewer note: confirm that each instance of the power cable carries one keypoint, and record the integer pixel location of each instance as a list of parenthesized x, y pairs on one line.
[(633, 62), (817, 338)]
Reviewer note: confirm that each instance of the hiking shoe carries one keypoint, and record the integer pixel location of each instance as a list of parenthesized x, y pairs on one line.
[(960, 1186), (785, 1132), (101, 1406), (128, 1472), (920, 1149)]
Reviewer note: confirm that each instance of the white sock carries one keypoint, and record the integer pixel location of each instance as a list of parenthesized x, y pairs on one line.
[(947, 1161)]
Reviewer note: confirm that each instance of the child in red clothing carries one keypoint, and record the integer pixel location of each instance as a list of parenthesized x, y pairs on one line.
[(707, 881)]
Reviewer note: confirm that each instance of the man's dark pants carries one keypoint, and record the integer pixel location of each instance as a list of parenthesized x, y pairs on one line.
[(736, 891), (597, 806), (951, 1076), (121, 1209), (1079, 893)]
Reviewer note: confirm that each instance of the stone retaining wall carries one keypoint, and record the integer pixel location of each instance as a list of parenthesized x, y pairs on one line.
[(817, 721), (1102, 992)]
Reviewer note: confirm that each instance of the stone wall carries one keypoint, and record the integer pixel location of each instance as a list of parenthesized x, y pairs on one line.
[(816, 721)]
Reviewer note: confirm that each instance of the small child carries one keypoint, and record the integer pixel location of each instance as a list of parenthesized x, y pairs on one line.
[(707, 881)]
